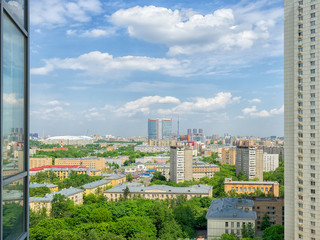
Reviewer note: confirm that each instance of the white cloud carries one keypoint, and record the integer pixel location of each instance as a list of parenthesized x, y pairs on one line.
[(11, 99), (142, 105), (60, 12), (56, 103), (253, 112), (220, 101), (98, 63), (95, 33), (188, 32), (255, 100)]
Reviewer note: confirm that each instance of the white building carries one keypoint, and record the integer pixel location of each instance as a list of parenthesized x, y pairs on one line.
[(302, 119), (270, 162), (180, 164)]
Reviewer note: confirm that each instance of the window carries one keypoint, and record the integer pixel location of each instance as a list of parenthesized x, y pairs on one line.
[(312, 55), (312, 31), (312, 47), (312, 103), (312, 119), (312, 111), (312, 79), (312, 95), (312, 23), (313, 191), (313, 63), (313, 175), (312, 167), (312, 87), (313, 39), (313, 6), (312, 15)]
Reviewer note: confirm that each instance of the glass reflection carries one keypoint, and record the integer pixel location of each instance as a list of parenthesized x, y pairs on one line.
[(16, 8), (13, 210), (13, 98)]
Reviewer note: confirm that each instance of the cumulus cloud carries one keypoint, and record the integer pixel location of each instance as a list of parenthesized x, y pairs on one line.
[(60, 12), (253, 112), (56, 103), (142, 105), (220, 101), (98, 63), (11, 99), (95, 33), (188, 32)]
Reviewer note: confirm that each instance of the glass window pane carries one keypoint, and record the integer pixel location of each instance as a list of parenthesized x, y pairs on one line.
[(13, 98), (16, 8), (13, 209)]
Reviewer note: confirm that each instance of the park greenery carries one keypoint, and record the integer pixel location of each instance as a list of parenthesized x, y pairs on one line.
[(38, 191), (125, 219), (74, 179), (276, 175)]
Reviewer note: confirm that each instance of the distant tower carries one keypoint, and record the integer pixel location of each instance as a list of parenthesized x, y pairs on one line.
[(189, 131), (195, 131), (178, 127), (200, 131), (61, 145)]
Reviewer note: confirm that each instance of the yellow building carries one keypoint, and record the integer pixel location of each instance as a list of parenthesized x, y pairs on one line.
[(52, 187), (96, 186), (228, 156), (204, 170), (39, 162), (116, 179), (242, 187)]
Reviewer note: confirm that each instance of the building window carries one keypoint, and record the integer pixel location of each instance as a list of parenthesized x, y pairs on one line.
[(312, 71), (312, 15), (312, 31), (226, 224), (313, 39), (312, 47), (312, 23)]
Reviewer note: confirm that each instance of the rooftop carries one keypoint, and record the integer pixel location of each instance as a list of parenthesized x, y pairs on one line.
[(195, 189), (252, 183), (37, 185), (231, 208), (49, 197), (95, 184), (56, 166)]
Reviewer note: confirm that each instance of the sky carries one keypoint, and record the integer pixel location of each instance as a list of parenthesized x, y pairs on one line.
[(106, 66)]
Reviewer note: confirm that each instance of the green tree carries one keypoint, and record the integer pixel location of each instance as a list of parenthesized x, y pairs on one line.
[(242, 177), (39, 191), (248, 231), (158, 176), (129, 177), (126, 192), (226, 236), (101, 215), (61, 206), (265, 222), (275, 232)]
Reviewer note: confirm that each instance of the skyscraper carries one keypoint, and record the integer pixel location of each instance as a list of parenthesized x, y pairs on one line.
[(301, 116), (159, 129), (14, 119)]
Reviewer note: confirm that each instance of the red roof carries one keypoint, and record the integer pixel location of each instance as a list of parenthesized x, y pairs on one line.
[(56, 166)]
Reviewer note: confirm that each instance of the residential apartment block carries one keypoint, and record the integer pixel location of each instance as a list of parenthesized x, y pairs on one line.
[(180, 164), (270, 162), (249, 160), (242, 187), (96, 186), (39, 162), (160, 192), (227, 215), (302, 119), (228, 156), (90, 162)]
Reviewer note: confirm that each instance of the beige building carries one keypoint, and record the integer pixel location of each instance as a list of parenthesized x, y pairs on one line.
[(116, 179), (242, 187), (249, 160), (228, 156), (273, 207), (228, 215), (180, 164), (39, 162), (160, 192), (302, 119), (90, 162), (201, 169)]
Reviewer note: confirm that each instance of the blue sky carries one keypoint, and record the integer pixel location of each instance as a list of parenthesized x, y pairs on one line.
[(104, 67)]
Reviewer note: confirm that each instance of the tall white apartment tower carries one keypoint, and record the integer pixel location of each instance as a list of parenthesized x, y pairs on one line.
[(302, 119)]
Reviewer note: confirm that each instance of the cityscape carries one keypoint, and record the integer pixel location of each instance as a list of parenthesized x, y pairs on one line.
[(169, 120)]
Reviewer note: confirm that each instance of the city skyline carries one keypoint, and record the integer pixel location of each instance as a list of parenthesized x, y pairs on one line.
[(109, 64)]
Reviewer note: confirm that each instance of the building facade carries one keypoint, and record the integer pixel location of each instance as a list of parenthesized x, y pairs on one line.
[(14, 72), (228, 156), (301, 119), (39, 162), (270, 162), (180, 164), (160, 129), (249, 160), (90, 162), (247, 187)]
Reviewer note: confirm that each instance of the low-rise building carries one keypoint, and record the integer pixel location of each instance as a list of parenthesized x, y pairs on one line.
[(147, 148), (164, 169), (96, 186), (90, 162), (37, 203), (39, 162), (201, 169), (52, 187), (273, 207), (227, 215), (116, 179), (242, 187), (160, 192)]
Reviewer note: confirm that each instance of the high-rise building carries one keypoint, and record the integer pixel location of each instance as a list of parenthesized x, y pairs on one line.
[(14, 190), (189, 131), (228, 156), (301, 119), (249, 160), (180, 164), (270, 162), (159, 128)]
